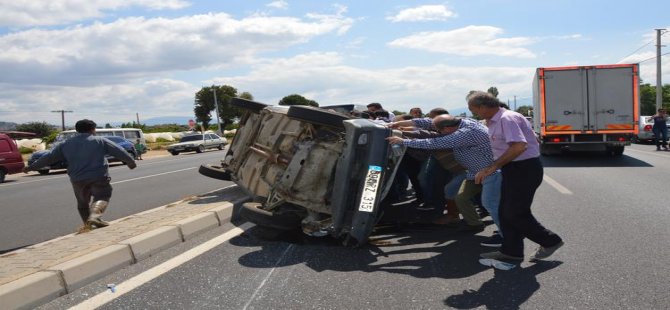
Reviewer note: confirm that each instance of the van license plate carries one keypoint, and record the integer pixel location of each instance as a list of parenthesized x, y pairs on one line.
[(370, 187)]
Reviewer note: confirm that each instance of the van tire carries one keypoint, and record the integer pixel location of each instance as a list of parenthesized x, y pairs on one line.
[(174, 153), (252, 212), (317, 116), (215, 172), (3, 173), (245, 104), (43, 171)]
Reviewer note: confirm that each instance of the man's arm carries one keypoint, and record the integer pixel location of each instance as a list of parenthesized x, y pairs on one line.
[(119, 153), (515, 149), (53, 156)]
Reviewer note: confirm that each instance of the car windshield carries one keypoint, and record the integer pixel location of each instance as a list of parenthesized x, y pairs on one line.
[(116, 139), (190, 138)]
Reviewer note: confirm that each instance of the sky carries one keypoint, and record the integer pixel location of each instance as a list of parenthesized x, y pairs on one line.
[(111, 60)]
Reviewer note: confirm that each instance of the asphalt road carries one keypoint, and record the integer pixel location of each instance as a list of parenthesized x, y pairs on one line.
[(35, 208), (611, 212)]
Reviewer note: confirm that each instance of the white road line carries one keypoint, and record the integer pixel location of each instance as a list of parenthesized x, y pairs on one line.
[(652, 153), (144, 277), (267, 277), (153, 175), (560, 188)]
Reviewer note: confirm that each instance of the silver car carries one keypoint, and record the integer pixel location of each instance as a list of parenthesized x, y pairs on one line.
[(198, 143)]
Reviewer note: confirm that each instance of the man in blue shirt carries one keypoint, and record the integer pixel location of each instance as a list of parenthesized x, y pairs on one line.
[(472, 149), (88, 169)]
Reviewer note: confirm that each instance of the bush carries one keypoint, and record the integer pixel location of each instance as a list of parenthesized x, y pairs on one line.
[(162, 140), (25, 150)]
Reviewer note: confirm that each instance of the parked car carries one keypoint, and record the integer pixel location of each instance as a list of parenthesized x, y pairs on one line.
[(198, 143), (645, 132), (315, 169), (10, 158), (125, 144)]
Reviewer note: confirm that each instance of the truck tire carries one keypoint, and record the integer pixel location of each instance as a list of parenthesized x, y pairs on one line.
[(616, 150), (200, 149), (245, 104), (317, 116), (215, 172), (252, 212), (43, 171)]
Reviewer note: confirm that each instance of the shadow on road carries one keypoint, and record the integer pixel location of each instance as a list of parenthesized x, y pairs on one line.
[(506, 290), (591, 159)]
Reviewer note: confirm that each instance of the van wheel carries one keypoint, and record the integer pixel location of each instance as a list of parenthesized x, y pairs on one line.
[(317, 116), (174, 153), (2, 175), (252, 212), (200, 149), (43, 171), (252, 106)]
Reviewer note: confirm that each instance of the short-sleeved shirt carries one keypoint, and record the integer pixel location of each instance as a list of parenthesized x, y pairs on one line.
[(506, 127)]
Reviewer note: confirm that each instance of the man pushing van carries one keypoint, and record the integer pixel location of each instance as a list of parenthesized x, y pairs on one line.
[(88, 170)]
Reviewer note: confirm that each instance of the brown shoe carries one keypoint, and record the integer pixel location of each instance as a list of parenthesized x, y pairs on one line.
[(84, 229)]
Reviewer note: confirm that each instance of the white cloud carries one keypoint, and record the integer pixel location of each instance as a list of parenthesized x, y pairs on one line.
[(423, 13), (132, 48), (325, 78), (468, 41), (280, 4), (56, 12)]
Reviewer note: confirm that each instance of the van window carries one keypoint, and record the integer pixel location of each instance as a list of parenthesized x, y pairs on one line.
[(4, 146), (132, 135)]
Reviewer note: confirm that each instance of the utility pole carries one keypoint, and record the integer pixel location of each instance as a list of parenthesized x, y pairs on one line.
[(137, 115), (62, 117), (216, 104), (514, 102), (659, 85)]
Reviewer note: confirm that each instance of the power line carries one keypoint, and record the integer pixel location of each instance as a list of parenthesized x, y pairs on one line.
[(643, 46), (648, 59)]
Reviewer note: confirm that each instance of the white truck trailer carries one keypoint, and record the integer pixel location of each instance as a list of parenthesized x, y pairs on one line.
[(586, 108)]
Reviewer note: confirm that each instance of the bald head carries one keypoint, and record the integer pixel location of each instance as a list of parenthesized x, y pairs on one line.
[(446, 120)]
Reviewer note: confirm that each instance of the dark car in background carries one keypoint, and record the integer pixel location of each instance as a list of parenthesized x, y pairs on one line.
[(125, 144)]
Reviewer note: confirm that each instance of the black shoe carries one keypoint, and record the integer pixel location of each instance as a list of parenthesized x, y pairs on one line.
[(494, 241), (542, 252), (472, 228), (425, 207)]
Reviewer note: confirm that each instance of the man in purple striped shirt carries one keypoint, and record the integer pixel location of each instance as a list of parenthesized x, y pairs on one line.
[(516, 153)]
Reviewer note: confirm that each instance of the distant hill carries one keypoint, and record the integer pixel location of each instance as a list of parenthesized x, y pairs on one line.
[(179, 120), (7, 126)]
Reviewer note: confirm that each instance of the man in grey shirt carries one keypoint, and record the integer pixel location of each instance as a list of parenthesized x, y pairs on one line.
[(88, 169)]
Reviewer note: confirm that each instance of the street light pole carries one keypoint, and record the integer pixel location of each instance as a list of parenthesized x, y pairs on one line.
[(216, 104)]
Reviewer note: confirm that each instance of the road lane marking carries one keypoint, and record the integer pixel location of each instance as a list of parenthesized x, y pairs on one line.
[(153, 175), (560, 188), (652, 153), (281, 258), (144, 277)]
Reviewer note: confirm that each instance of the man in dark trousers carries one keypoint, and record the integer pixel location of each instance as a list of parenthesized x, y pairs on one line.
[(516, 153), (88, 170)]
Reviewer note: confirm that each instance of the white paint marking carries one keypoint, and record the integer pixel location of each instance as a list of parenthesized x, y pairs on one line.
[(267, 277), (153, 175), (560, 188), (142, 278)]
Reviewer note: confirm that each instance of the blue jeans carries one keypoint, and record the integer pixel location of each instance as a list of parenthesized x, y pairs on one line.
[(491, 193), (661, 135)]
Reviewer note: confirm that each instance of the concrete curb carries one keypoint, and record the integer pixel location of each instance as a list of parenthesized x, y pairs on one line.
[(43, 286)]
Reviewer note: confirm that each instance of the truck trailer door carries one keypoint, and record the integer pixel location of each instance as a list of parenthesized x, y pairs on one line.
[(565, 100), (610, 104)]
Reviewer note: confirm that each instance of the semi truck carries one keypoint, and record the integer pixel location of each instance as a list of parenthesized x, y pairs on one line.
[(586, 108)]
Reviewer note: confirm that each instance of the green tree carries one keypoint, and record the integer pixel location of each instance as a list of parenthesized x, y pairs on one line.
[(108, 125), (524, 110), (247, 95), (134, 125), (204, 104), (648, 98), (41, 129), (493, 91), (296, 99)]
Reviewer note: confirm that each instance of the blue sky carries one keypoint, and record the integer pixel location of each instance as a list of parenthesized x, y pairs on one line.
[(109, 59)]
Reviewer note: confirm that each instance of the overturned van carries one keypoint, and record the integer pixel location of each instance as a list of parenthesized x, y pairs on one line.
[(318, 169)]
